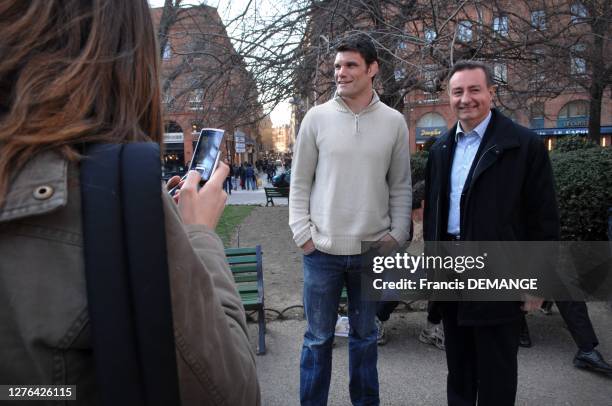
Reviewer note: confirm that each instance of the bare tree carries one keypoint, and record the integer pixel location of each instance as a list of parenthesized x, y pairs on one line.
[(539, 48)]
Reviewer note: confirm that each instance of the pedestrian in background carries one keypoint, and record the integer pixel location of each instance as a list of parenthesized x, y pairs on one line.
[(227, 184), (250, 177), (242, 174)]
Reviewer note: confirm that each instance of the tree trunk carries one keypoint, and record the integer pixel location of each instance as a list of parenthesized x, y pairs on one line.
[(167, 19), (596, 93)]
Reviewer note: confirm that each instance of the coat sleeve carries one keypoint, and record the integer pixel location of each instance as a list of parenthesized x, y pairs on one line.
[(215, 360), (539, 191)]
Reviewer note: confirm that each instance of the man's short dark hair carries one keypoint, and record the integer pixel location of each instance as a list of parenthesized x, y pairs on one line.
[(360, 43), (470, 65)]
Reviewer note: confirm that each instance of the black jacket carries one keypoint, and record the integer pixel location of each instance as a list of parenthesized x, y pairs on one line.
[(508, 196)]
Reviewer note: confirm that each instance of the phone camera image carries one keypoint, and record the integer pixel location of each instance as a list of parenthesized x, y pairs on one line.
[(207, 152)]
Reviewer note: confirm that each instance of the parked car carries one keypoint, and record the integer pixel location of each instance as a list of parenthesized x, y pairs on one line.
[(282, 180)]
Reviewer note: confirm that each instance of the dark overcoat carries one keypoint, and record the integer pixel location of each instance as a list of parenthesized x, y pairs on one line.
[(509, 196)]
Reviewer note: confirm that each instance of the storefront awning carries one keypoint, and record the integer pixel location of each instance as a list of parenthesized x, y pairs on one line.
[(546, 132)]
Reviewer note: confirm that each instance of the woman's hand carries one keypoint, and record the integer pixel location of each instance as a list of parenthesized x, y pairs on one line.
[(206, 205)]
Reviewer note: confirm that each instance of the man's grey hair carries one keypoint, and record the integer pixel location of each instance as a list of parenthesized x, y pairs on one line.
[(470, 65)]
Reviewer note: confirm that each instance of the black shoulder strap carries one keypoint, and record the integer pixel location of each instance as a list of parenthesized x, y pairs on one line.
[(127, 275)]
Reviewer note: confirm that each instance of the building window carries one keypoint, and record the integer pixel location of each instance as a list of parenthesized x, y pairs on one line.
[(400, 74), (167, 51), (167, 100), (578, 12), (402, 45), (536, 115), (538, 19), (577, 63), (464, 31), (430, 78), (500, 73), (537, 81), (500, 25), (430, 35), (195, 99), (574, 114)]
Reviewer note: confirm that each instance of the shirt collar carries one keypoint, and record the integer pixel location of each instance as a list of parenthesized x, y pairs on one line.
[(479, 129)]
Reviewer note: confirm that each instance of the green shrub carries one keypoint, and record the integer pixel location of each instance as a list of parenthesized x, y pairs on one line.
[(573, 143), (584, 192), (418, 161)]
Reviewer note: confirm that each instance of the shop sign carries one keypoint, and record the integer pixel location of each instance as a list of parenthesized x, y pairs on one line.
[(582, 121), (428, 132), (171, 138), (240, 147)]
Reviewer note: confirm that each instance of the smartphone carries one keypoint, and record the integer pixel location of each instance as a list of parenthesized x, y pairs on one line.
[(206, 155)]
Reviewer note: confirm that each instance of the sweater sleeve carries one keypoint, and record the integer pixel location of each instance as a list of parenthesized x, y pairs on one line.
[(400, 186), (303, 169)]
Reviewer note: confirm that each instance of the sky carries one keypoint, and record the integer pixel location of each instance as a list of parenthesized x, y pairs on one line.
[(228, 9)]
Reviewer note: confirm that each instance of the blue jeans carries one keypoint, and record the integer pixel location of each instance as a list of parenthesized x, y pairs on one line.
[(324, 277)]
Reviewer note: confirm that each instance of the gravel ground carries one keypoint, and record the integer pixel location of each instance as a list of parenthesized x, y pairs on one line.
[(410, 373)]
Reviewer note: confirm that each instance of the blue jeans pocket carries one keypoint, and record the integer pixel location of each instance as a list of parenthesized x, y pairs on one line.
[(310, 254)]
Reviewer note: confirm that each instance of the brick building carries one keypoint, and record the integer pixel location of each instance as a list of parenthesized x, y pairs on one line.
[(205, 85), (546, 55)]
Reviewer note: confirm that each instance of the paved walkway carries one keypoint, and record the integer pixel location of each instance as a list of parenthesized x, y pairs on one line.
[(256, 197), (410, 372)]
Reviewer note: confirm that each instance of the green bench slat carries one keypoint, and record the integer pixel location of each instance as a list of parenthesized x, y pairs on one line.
[(250, 304), (247, 288), (242, 260), (250, 298), (241, 268), (245, 278), (277, 192), (343, 296), (245, 266), (239, 251)]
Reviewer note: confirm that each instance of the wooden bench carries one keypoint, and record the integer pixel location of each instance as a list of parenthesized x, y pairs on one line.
[(272, 192), (246, 266), (344, 300)]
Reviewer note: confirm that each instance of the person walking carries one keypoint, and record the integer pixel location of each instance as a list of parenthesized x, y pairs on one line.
[(242, 174), (348, 142), (250, 177), (227, 184)]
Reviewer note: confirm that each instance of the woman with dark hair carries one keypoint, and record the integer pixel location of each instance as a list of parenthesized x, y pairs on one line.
[(75, 72)]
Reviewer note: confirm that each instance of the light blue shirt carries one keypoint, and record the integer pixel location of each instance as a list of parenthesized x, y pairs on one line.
[(465, 151)]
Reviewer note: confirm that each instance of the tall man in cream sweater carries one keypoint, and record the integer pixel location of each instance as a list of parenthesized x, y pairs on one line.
[(350, 182)]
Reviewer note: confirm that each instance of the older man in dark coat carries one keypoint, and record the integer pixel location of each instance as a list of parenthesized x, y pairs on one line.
[(487, 179)]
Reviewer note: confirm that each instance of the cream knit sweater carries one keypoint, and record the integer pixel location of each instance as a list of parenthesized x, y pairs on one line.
[(350, 178)]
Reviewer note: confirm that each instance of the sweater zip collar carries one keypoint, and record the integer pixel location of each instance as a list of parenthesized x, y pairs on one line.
[(344, 108)]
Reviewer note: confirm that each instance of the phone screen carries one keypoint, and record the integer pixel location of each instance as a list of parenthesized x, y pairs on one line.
[(207, 152)]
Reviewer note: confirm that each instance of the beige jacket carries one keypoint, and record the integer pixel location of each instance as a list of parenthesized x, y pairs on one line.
[(44, 329)]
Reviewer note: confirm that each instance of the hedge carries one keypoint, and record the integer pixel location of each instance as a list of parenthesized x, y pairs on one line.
[(583, 177), (418, 161), (573, 143), (584, 191)]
